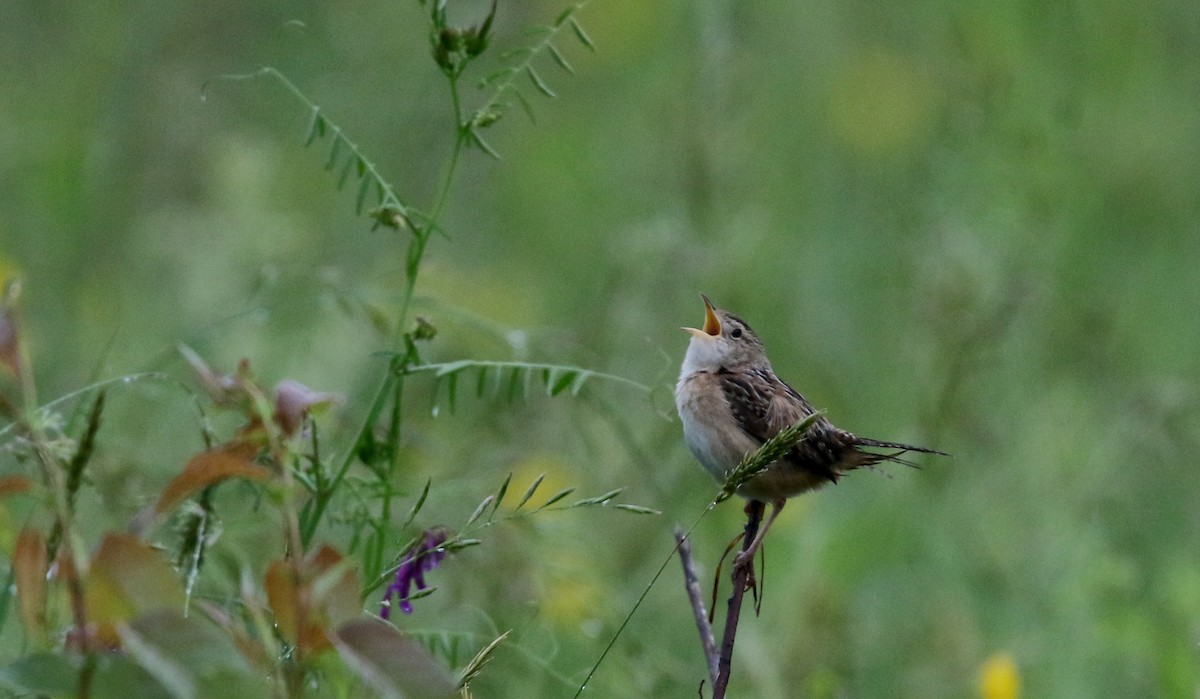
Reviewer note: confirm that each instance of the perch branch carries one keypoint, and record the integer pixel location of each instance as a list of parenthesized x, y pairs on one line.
[(741, 581), (693, 589)]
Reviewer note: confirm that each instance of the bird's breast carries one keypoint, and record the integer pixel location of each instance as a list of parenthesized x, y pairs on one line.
[(711, 433), (719, 443)]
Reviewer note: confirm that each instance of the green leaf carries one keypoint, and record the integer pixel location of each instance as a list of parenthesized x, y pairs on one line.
[(525, 106), (514, 384), (539, 83), (560, 59), (483, 145), (451, 391), (582, 35), (562, 382), (497, 76), (345, 174), (363, 188), (316, 126), (334, 151), (49, 674), (579, 382)]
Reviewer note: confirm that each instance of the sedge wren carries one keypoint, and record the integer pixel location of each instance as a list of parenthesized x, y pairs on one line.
[(730, 402)]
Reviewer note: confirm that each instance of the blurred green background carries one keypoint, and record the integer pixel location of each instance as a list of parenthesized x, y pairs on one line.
[(967, 225)]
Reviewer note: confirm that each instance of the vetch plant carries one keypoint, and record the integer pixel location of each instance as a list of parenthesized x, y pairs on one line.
[(135, 608)]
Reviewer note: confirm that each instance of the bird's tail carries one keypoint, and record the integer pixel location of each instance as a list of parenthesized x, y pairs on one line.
[(878, 444)]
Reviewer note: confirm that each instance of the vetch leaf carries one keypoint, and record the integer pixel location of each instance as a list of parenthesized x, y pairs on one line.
[(452, 391), (316, 126), (393, 664), (334, 151), (562, 382), (345, 174), (539, 83), (481, 382), (560, 59), (525, 105), (582, 35), (363, 188), (483, 145)]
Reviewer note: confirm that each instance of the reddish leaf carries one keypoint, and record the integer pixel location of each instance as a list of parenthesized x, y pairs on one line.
[(30, 563), (336, 586), (283, 589), (309, 598), (127, 578), (9, 336), (393, 664), (10, 485), (233, 460)]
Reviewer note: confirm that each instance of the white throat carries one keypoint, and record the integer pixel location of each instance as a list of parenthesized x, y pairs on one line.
[(702, 355)]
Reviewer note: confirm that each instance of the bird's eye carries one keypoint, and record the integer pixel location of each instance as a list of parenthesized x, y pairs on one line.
[(736, 333)]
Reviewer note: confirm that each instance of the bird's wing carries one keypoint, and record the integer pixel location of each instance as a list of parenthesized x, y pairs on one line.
[(762, 405), (751, 397)]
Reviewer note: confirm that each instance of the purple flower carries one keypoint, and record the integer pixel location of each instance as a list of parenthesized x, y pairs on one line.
[(425, 555)]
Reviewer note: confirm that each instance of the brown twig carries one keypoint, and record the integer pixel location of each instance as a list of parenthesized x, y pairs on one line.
[(741, 581), (692, 584)]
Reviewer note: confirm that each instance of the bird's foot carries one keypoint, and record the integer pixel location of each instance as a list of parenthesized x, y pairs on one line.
[(744, 559)]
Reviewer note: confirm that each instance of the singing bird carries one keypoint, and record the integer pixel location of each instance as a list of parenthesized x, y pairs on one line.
[(730, 401)]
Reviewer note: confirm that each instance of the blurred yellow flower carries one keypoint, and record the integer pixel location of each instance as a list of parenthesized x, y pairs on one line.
[(571, 597), (1000, 678), (8, 270), (881, 103)]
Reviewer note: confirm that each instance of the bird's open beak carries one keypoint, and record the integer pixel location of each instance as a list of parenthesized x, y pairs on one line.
[(712, 325)]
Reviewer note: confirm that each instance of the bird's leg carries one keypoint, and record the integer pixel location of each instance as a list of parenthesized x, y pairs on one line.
[(746, 557)]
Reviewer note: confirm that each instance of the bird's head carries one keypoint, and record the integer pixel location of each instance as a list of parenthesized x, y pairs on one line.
[(724, 342)]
